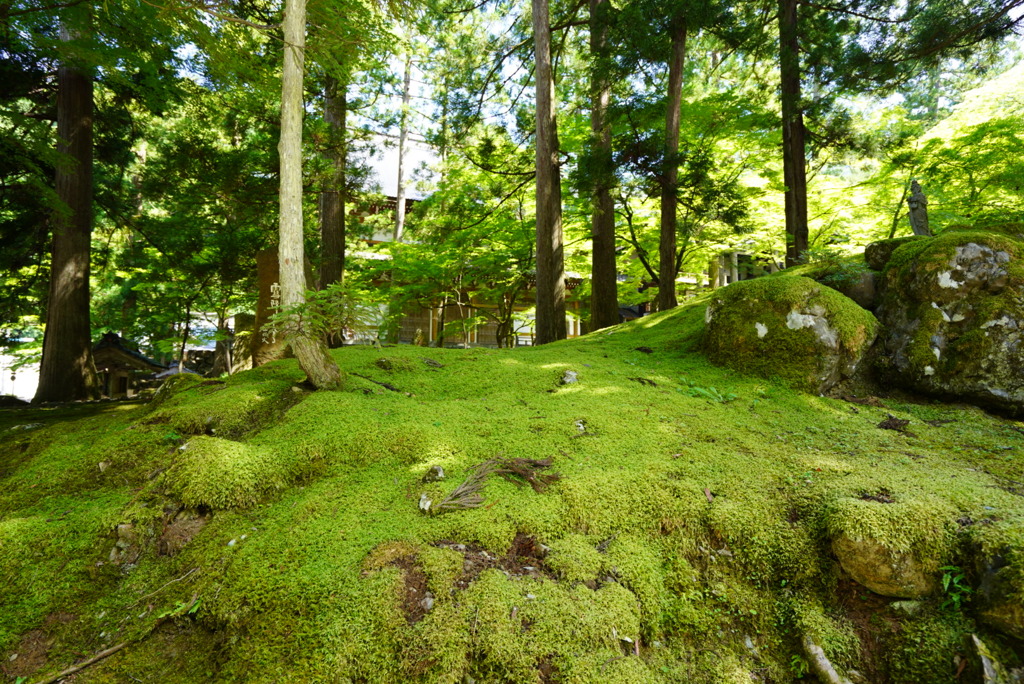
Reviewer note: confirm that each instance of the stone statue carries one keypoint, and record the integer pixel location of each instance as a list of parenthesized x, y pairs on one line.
[(918, 204)]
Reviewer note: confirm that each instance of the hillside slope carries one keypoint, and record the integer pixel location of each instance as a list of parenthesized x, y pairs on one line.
[(251, 530)]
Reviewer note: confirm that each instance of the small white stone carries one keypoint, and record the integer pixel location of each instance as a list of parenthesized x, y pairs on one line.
[(946, 280), (945, 316), (1004, 321), (232, 542), (928, 370), (762, 329), (937, 352)]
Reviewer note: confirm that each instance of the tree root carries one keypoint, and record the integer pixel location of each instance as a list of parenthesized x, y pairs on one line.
[(820, 664)]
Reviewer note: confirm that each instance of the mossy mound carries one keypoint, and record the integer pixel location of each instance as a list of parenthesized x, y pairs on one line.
[(788, 327), (695, 506), (953, 316)]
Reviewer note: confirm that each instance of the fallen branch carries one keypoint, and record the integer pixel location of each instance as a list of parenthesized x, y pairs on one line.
[(527, 469), (81, 666), (467, 494), (114, 649), (166, 585)]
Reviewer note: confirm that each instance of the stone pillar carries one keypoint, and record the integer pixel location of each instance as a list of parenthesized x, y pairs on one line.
[(734, 271)]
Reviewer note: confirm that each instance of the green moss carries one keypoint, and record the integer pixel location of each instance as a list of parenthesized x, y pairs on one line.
[(396, 364), (924, 650), (697, 521), (1014, 231), (926, 525), (228, 408), (835, 637), (218, 473), (576, 559)]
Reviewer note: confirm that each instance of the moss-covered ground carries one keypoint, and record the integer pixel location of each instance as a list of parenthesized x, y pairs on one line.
[(251, 530)]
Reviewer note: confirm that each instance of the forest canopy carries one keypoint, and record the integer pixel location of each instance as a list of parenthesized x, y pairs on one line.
[(611, 150)]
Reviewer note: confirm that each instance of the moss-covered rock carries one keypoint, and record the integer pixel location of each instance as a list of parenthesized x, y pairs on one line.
[(999, 564), (953, 317), (793, 328), (883, 571), (894, 549), (877, 254)]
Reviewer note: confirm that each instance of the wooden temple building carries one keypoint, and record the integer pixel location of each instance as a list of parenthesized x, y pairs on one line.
[(122, 370)]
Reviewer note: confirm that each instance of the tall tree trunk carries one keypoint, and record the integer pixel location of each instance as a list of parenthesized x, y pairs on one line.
[(332, 197), (604, 301), (67, 371), (794, 158), (310, 350), (550, 322), (669, 221), (187, 330), (403, 136)]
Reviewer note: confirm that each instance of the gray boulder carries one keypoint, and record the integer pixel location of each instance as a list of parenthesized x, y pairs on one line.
[(953, 317)]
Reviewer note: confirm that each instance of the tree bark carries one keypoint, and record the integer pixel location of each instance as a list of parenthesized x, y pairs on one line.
[(550, 321), (604, 301), (794, 157), (669, 221), (67, 371), (310, 350), (332, 198), (403, 136)]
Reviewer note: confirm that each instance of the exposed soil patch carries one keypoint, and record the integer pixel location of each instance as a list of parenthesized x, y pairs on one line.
[(872, 622), (180, 532), (523, 559), (881, 496), (547, 670), (894, 423), (29, 655), (863, 401), (416, 600)]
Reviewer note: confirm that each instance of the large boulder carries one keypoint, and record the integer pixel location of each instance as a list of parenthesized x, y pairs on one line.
[(953, 317), (789, 327)]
